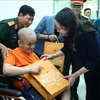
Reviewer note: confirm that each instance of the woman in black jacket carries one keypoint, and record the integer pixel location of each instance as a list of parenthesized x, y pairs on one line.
[(83, 39)]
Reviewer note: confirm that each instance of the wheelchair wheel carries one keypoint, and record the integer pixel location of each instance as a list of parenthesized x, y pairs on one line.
[(4, 98)]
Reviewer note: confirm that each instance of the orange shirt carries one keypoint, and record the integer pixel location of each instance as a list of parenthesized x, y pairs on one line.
[(19, 58)]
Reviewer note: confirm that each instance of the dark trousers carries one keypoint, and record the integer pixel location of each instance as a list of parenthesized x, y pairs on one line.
[(31, 90), (71, 58), (92, 80)]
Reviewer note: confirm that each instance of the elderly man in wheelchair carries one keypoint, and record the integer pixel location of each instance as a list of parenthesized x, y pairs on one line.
[(15, 65), (17, 60)]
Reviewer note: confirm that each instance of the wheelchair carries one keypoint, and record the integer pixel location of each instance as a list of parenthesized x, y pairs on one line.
[(7, 91)]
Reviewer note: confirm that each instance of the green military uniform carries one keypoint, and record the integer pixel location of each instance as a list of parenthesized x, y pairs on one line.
[(8, 34), (83, 18), (72, 58)]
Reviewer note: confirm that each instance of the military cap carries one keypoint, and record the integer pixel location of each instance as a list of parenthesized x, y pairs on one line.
[(77, 2)]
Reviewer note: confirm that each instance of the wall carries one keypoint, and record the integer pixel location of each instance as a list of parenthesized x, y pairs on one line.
[(10, 8)]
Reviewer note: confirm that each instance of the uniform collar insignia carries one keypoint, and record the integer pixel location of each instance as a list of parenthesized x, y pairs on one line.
[(16, 26)]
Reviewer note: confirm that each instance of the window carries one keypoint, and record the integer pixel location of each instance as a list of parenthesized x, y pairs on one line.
[(60, 4)]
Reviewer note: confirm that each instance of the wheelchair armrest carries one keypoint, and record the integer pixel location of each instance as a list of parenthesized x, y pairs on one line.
[(4, 85), (2, 76), (10, 92), (18, 78), (3, 81)]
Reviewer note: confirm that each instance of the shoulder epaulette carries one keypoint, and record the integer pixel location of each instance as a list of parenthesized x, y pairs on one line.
[(11, 23)]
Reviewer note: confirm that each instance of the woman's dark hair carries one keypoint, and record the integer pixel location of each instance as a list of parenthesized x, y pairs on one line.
[(68, 19), (25, 9), (74, 26)]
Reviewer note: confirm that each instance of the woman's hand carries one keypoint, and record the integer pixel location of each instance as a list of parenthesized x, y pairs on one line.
[(73, 76), (47, 56), (71, 79)]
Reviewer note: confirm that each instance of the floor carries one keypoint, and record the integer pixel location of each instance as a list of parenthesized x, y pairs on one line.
[(81, 88)]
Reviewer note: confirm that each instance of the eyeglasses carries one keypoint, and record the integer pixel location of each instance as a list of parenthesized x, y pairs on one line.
[(76, 6)]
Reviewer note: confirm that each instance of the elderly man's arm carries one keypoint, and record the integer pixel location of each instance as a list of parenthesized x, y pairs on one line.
[(10, 70)]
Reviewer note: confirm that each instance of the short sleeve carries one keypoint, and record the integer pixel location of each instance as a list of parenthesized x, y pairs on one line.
[(10, 59)]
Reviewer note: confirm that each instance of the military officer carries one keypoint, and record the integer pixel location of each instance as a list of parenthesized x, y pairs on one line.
[(71, 58), (77, 6), (10, 27)]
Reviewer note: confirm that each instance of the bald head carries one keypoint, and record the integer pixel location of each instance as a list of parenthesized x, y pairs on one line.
[(27, 40), (25, 32)]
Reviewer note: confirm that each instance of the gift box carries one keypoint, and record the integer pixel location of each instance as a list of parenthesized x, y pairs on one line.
[(50, 82)]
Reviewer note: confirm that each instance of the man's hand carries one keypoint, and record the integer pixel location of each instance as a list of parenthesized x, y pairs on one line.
[(53, 38), (4, 51), (35, 69)]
